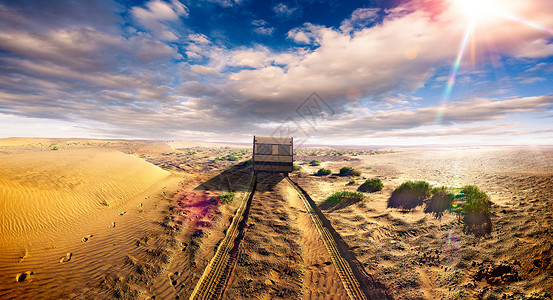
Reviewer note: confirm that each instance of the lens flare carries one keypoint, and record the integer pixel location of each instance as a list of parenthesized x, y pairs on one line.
[(476, 10), (454, 71)]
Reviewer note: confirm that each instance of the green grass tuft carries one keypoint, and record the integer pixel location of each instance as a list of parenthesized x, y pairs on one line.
[(345, 195), (476, 201), (226, 197), (371, 185), (409, 195), (315, 162), (323, 172), (349, 171)]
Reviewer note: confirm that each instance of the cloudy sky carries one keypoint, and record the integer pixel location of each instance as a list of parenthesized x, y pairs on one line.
[(344, 72)]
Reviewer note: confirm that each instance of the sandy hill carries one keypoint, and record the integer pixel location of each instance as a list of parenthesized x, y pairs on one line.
[(40, 189)]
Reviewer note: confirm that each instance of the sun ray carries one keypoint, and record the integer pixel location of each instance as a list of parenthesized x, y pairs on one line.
[(454, 70), (477, 10)]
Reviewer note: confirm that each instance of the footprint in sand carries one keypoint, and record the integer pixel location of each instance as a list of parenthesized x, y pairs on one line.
[(86, 238), (112, 225), (22, 255), (22, 276), (173, 278), (66, 258)]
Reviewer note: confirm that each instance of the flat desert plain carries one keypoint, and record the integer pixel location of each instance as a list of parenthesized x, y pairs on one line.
[(114, 219)]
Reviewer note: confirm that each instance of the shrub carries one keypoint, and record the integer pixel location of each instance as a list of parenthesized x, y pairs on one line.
[(345, 195), (371, 185), (475, 200), (323, 172), (296, 167), (349, 171), (226, 197), (248, 162), (351, 182), (55, 148), (315, 162), (409, 195), (232, 157), (434, 190), (476, 211), (439, 203)]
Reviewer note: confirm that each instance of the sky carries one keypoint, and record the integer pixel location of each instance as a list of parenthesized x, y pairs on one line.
[(378, 72)]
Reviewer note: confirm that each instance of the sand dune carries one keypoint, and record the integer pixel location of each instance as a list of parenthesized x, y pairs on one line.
[(41, 189)]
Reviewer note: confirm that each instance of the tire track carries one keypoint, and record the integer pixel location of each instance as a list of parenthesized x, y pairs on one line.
[(215, 279), (215, 276), (349, 280)]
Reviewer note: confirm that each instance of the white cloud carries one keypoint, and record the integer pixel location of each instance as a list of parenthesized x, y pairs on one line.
[(203, 70), (226, 3), (261, 27), (254, 58), (360, 18), (283, 10), (264, 30), (308, 33), (156, 12), (127, 79)]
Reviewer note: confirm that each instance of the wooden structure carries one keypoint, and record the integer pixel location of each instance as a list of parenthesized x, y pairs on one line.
[(273, 154)]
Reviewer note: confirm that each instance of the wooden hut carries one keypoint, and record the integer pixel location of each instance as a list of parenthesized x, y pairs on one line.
[(273, 154)]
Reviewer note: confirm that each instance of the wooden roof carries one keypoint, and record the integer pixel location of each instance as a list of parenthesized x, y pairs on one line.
[(272, 140)]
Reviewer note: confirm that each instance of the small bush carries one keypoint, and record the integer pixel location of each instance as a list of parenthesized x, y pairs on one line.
[(323, 172), (371, 185), (315, 162), (476, 211), (409, 195), (351, 182), (475, 200), (296, 167), (439, 203), (226, 197), (434, 190), (55, 148), (231, 157), (248, 162), (349, 171), (345, 195)]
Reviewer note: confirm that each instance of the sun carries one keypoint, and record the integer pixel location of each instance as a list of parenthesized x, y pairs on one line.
[(478, 9)]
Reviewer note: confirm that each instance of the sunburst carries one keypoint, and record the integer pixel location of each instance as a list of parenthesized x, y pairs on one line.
[(478, 12)]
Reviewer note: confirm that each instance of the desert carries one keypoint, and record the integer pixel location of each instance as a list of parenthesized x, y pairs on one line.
[(119, 219), (283, 149)]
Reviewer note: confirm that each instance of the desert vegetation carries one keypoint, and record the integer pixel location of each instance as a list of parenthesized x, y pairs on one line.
[(315, 163), (409, 195), (371, 185), (340, 152), (440, 202), (226, 197), (345, 195), (349, 171), (476, 209), (323, 172), (471, 204)]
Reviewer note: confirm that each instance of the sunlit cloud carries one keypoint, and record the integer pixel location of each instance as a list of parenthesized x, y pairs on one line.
[(153, 71)]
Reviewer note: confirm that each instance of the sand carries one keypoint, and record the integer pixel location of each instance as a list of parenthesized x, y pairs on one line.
[(137, 219), (65, 214), (42, 189), (419, 257)]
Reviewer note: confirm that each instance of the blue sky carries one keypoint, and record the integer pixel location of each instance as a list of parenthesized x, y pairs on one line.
[(383, 72)]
